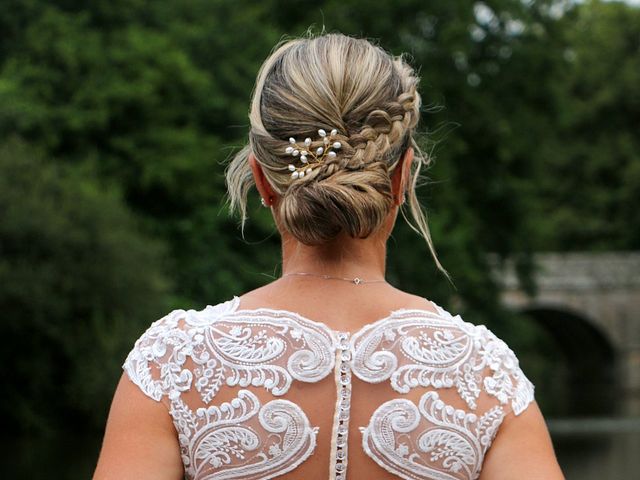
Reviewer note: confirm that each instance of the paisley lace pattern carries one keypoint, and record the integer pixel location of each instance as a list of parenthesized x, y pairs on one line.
[(205, 350), (433, 440), (415, 348), (242, 439), (200, 352)]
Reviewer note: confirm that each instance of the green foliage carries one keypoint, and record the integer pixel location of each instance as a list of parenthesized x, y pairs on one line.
[(79, 281), (590, 187), (148, 102)]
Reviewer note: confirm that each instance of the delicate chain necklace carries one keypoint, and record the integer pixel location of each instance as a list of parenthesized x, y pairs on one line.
[(355, 280)]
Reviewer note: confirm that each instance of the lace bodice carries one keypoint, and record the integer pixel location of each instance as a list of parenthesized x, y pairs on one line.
[(464, 380)]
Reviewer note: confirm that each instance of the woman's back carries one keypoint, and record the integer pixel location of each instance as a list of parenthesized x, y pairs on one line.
[(391, 386), (311, 376)]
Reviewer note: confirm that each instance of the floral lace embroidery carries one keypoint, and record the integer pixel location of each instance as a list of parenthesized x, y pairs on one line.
[(221, 345), (201, 351), (229, 346), (241, 439), (416, 348), (437, 350), (433, 440)]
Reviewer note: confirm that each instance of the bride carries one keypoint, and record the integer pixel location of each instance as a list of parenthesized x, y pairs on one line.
[(328, 371)]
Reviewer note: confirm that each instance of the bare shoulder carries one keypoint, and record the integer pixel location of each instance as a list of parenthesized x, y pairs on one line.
[(522, 449), (140, 441), (415, 301)]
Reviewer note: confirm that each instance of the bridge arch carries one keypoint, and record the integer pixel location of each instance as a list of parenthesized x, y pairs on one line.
[(586, 361), (600, 288)]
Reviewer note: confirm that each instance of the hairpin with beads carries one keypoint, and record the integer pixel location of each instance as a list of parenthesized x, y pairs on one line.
[(309, 157)]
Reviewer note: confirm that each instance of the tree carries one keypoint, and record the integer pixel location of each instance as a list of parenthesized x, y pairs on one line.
[(590, 170), (80, 281)]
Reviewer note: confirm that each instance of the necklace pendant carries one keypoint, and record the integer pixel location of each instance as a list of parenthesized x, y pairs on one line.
[(357, 281)]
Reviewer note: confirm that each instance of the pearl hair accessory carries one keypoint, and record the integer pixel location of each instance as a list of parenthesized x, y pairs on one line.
[(309, 157)]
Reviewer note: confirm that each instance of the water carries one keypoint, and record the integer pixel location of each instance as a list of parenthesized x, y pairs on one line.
[(587, 449), (598, 448)]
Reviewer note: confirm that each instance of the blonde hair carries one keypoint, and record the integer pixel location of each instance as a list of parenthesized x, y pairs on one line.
[(371, 98)]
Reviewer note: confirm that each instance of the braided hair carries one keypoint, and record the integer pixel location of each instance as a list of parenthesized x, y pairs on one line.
[(371, 98)]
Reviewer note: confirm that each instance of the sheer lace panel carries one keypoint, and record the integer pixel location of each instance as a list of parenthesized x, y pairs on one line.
[(242, 438), (441, 352), (416, 348), (211, 348), (466, 378)]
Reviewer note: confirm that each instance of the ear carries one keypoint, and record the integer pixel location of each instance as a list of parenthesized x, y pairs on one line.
[(400, 176), (265, 190)]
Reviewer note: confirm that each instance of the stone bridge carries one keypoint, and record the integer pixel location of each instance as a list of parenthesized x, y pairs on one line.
[(590, 302)]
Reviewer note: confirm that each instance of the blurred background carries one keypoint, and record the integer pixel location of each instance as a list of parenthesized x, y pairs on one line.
[(117, 118)]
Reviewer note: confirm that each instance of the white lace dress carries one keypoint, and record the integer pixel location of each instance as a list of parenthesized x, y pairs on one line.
[(463, 378)]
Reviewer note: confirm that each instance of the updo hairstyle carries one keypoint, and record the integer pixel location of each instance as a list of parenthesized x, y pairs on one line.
[(371, 98)]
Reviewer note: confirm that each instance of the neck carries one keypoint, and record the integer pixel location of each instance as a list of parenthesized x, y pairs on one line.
[(343, 257)]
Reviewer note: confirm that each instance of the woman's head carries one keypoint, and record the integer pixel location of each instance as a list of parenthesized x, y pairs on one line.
[(331, 82)]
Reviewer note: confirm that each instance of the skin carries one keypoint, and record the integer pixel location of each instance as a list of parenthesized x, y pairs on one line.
[(140, 440)]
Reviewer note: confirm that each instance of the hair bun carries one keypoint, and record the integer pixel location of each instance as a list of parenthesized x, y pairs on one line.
[(337, 200), (363, 92)]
